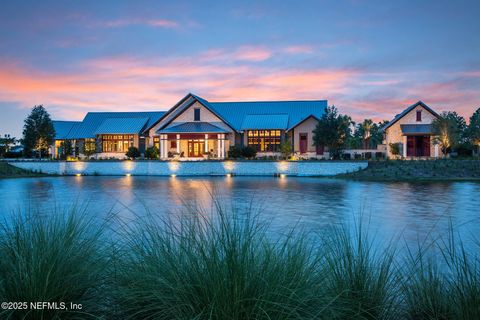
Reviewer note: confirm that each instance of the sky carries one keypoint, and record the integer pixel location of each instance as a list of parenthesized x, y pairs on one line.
[(371, 59)]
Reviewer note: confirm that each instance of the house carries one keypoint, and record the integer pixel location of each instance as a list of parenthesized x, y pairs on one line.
[(104, 134), (195, 128), (412, 131)]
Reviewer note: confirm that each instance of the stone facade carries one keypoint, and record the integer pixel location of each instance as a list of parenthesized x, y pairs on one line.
[(194, 168)]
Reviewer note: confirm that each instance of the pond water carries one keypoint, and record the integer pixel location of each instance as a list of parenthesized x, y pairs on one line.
[(411, 210)]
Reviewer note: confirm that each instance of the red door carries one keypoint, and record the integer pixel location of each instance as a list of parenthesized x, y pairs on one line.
[(303, 142), (426, 146)]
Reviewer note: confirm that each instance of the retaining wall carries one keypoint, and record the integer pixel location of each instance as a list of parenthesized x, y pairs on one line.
[(194, 168)]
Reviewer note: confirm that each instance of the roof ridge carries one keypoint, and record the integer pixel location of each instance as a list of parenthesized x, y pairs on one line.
[(268, 101)]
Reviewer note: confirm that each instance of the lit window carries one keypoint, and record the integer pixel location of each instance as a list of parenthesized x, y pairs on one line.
[(117, 143), (264, 140)]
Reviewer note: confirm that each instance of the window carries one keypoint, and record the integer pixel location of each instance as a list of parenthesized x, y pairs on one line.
[(264, 140), (117, 142), (90, 146), (419, 115), (196, 114), (173, 144), (156, 142)]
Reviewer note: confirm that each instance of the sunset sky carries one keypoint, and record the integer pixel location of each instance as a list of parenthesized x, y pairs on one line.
[(369, 58)]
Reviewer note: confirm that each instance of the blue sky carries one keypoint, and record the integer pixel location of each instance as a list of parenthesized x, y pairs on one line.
[(369, 58)]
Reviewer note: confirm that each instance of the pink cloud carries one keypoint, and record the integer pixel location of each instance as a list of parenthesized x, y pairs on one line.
[(161, 23), (299, 49), (129, 83), (252, 53)]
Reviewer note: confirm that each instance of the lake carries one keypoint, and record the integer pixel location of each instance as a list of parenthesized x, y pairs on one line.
[(411, 210)]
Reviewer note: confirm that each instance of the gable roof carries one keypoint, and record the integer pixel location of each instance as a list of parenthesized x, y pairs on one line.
[(265, 121), (406, 111), (63, 128), (128, 121), (121, 125), (193, 127), (240, 115)]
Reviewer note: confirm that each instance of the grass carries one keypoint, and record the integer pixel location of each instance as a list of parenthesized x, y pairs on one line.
[(9, 171), (61, 257), (222, 263), (418, 170)]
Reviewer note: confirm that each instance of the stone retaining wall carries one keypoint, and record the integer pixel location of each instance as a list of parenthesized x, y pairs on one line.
[(197, 168)]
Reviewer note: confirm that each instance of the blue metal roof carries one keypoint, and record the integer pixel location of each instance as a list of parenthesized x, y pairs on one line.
[(63, 128), (297, 111), (93, 120), (121, 125), (192, 127), (416, 128), (265, 121), (234, 113)]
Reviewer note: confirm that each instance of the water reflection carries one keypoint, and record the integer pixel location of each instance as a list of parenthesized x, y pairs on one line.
[(411, 209)]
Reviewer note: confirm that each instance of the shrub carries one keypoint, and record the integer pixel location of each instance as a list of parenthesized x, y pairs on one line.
[(234, 152), (379, 155), (152, 153), (216, 265), (57, 257), (368, 155), (346, 156), (357, 156), (249, 152), (286, 149), (133, 153), (395, 148)]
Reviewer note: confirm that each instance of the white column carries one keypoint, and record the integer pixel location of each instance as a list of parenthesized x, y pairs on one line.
[(404, 146), (436, 150), (162, 146), (222, 143), (178, 143), (206, 142)]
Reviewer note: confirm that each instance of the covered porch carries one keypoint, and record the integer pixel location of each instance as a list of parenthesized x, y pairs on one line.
[(192, 141), (418, 141)]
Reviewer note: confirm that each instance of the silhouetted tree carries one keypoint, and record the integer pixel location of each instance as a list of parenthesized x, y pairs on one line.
[(38, 132), (332, 131)]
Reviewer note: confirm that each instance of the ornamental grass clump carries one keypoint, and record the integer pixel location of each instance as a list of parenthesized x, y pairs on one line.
[(54, 257), (362, 278), (216, 264), (444, 287)]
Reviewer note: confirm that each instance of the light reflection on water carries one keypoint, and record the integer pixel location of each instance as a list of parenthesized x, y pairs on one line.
[(411, 209)]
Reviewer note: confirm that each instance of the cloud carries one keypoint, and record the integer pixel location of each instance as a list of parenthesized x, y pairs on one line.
[(243, 53), (299, 49), (158, 23), (131, 83)]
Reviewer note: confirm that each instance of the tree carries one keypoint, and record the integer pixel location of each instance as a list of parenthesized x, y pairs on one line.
[(395, 148), (332, 131), (473, 131), (38, 131), (67, 148), (249, 152), (133, 153), (5, 143), (152, 153), (286, 148), (449, 129)]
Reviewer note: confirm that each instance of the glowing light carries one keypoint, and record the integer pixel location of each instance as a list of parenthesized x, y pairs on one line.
[(173, 166), (282, 175), (283, 166), (78, 174), (229, 165), (229, 175), (173, 175), (128, 174), (128, 165)]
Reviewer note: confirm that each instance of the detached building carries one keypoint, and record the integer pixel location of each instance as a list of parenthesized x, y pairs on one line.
[(412, 130), (195, 128)]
